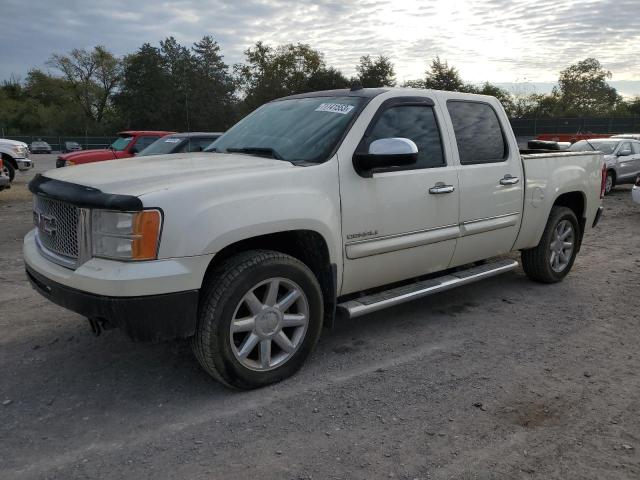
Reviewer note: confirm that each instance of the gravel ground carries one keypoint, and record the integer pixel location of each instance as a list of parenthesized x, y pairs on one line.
[(502, 379)]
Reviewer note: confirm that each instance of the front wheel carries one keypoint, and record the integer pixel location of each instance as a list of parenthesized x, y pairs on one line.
[(551, 260), (260, 317), (8, 170)]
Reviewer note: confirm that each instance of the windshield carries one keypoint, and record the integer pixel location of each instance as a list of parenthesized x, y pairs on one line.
[(163, 145), (606, 147), (121, 143), (295, 130)]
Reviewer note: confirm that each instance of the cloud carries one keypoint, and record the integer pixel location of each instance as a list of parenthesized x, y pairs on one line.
[(496, 40)]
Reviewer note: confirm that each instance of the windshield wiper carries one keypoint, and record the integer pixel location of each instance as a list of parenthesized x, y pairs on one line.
[(262, 151)]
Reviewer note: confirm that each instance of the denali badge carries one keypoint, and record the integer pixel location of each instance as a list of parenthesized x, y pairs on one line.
[(45, 223)]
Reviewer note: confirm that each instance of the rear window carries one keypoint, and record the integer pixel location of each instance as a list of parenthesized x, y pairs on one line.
[(478, 132)]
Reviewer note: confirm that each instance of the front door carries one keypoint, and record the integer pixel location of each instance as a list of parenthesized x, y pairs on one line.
[(491, 182), (393, 228)]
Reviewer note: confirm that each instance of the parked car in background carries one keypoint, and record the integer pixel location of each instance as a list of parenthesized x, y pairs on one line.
[(128, 144), (632, 136), (71, 147), (181, 143), (313, 204), (621, 156), (40, 147), (15, 156), (5, 181), (635, 192)]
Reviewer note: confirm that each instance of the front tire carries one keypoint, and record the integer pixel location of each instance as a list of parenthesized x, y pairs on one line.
[(260, 317), (551, 260), (8, 170)]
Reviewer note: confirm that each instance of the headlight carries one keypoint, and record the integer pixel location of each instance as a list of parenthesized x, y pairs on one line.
[(126, 236), (20, 151)]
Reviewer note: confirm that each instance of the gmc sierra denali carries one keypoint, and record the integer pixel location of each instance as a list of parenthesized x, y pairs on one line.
[(325, 204)]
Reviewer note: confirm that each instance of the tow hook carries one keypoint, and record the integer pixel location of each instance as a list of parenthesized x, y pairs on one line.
[(98, 325)]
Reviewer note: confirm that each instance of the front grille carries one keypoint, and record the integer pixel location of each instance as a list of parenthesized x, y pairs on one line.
[(57, 226)]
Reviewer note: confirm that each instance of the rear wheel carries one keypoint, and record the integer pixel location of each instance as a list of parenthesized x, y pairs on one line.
[(552, 259), (260, 317), (610, 182)]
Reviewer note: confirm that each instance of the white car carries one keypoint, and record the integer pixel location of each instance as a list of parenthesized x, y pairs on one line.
[(632, 136), (343, 201), (15, 155)]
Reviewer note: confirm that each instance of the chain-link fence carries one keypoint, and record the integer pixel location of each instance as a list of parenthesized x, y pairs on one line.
[(536, 126), (58, 143)]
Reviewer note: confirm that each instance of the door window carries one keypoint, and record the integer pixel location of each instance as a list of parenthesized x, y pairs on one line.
[(415, 122), (636, 148), (478, 132)]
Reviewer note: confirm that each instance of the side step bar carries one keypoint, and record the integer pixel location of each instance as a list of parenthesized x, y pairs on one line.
[(406, 293)]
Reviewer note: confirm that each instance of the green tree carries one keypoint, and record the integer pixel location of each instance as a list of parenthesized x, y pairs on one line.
[(211, 95), (270, 73), (441, 76), (94, 76), (375, 72), (583, 89)]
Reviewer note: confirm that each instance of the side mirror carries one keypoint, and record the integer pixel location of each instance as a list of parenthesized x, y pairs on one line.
[(624, 153), (386, 153)]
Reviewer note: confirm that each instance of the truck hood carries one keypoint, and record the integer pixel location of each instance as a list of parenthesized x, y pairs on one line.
[(89, 155), (137, 176), (13, 143)]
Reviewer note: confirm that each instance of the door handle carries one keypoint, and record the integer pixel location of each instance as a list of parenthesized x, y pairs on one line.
[(440, 187), (509, 180)]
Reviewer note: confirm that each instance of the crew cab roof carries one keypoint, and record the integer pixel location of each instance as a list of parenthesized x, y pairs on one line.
[(343, 92)]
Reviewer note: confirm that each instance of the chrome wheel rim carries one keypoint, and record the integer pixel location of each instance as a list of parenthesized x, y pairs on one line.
[(608, 184), (269, 324), (561, 247)]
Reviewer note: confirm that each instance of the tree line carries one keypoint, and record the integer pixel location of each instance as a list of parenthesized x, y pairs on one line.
[(175, 87)]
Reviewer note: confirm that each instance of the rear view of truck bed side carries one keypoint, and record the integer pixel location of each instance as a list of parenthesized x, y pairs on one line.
[(572, 180)]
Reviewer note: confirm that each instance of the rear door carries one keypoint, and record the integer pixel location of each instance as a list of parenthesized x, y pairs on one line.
[(491, 181), (629, 165)]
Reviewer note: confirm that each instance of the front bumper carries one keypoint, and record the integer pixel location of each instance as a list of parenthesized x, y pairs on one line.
[(152, 300), (145, 318), (24, 164)]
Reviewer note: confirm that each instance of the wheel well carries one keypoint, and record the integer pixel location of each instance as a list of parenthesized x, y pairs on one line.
[(8, 158), (575, 202), (307, 246)]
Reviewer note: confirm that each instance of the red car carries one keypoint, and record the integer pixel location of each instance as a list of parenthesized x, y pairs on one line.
[(127, 145)]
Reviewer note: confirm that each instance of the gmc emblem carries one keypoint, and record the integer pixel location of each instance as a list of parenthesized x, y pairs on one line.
[(45, 223)]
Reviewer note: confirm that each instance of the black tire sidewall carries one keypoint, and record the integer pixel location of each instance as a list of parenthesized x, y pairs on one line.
[(613, 183), (563, 214), (226, 364), (10, 169)]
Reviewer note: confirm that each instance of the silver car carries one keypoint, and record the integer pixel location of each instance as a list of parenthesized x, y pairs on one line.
[(621, 156)]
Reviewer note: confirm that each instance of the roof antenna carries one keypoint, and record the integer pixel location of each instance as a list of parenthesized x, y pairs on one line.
[(356, 85)]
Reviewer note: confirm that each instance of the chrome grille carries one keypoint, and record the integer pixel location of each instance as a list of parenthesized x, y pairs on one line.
[(57, 226)]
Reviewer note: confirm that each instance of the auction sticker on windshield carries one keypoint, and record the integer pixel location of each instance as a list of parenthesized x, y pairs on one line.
[(334, 108)]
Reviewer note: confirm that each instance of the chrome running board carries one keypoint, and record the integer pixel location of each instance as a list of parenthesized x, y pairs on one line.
[(395, 296)]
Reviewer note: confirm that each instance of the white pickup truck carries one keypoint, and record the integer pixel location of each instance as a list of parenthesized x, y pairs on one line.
[(338, 202)]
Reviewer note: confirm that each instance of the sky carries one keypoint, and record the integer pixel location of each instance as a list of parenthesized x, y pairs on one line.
[(522, 44)]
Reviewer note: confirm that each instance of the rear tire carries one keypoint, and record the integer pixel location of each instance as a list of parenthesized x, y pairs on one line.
[(610, 182), (552, 259), (260, 317)]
